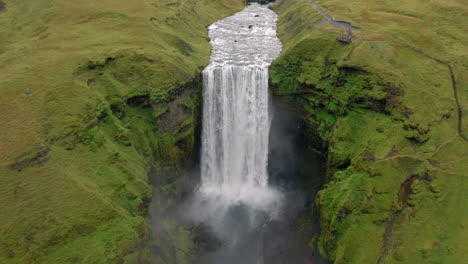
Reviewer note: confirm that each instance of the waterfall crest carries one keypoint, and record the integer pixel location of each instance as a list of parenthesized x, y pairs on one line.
[(236, 118)]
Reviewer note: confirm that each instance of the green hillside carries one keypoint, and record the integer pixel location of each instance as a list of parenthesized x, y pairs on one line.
[(389, 109), (94, 95)]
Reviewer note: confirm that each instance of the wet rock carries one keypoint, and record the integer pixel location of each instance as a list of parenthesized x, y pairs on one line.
[(204, 239), (262, 2)]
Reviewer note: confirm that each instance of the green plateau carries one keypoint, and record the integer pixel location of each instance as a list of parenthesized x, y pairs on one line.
[(389, 112), (96, 97)]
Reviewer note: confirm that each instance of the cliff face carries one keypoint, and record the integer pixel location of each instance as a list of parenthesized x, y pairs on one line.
[(95, 95), (387, 109)]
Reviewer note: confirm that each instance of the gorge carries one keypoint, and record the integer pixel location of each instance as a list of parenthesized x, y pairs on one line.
[(250, 213), (127, 138)]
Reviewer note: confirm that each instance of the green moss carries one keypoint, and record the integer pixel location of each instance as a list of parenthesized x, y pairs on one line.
[(384, 105), (90, 95)]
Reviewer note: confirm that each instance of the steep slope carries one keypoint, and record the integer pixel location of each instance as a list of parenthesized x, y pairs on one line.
[(94, 95), (388, 109)]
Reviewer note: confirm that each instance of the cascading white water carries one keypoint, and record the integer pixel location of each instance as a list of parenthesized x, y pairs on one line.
[(236, 118), (234, 199)]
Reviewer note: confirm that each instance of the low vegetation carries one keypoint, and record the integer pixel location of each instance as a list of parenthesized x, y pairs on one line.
[(388, 109), (95, 96)]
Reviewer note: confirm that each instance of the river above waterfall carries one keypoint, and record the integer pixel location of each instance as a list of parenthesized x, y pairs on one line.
[(247, 38), (236, 114)]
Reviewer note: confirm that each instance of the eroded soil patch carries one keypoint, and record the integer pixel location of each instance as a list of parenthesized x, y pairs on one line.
[(403, 197)]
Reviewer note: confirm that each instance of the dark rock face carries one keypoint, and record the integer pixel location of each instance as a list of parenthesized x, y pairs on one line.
[(204, 239), (262, 2), (283, 244), (139, 101)]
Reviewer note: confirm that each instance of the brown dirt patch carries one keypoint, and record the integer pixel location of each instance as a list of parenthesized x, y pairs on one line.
[(392, 153), (403, 197), (405, 190)]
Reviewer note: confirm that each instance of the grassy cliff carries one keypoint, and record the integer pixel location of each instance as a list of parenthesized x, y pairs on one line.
[(94, 95), (389, 109)]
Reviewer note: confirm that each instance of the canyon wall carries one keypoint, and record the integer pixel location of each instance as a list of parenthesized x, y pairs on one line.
[(95, 97), (387, 110)]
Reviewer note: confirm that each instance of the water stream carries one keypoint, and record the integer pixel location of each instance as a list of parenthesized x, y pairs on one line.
[(249, 212), (236, 116), (347, 26)]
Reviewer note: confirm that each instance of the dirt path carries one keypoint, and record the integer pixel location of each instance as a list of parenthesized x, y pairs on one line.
[(348, 27), (338, 24), (454, 87)]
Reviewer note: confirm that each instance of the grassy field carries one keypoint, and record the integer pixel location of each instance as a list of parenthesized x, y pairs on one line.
[(384, 109), (93, 95)]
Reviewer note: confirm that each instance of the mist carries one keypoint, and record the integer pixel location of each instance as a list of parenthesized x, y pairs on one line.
[(255, 176), (263, 229)]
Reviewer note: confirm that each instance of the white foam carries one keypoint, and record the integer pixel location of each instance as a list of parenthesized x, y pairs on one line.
[(236, 116)]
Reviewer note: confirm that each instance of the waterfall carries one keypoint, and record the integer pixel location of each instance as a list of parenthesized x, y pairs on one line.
[(236, 126), (234, 199), (236, 118), (252, 220)]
